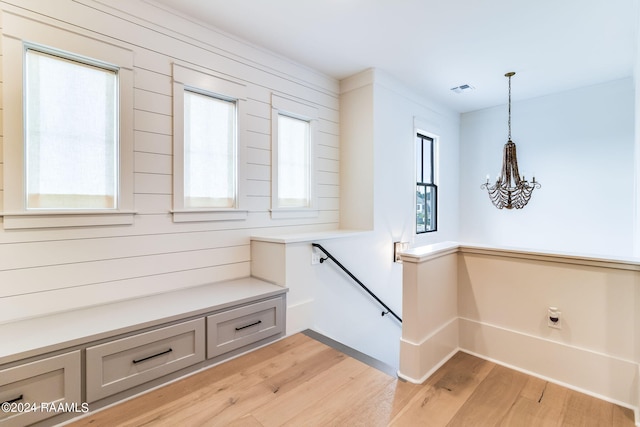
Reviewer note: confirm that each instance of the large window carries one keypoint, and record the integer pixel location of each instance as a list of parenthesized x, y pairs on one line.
[(293, 162), (209, 151), (68, 115), (426, 189), (71, 133)]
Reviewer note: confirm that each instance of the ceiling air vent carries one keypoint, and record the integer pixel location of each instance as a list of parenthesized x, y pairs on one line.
[(462, 88)]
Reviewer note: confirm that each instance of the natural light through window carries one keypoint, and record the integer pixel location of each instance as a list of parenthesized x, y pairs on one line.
[(426, 189), (293, 162), (71, 133), (209, 151)]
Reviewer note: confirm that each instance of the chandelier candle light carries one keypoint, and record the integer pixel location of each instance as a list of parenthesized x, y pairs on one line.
[(510, 190)]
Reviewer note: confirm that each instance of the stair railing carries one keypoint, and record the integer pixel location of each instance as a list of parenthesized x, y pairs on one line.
[(355, 279)]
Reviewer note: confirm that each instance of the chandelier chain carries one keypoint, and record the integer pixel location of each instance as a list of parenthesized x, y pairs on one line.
[(509, 136)]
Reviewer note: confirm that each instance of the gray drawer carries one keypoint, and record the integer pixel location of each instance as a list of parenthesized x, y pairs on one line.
[(45, 383), (242, 326), (119, 365)]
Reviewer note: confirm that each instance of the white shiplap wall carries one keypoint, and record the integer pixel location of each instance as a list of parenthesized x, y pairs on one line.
[(49, 270)]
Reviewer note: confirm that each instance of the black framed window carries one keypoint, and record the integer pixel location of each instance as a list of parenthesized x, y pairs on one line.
[(426, 189)]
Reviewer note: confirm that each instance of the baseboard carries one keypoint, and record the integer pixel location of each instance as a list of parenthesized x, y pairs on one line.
[(419, 360), (351, 352), (299, 317), (600, 375), (430, 372)]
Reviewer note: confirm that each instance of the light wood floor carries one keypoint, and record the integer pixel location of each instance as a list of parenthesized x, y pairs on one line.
[(299, 381)]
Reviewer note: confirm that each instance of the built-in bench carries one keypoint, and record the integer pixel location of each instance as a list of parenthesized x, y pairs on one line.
[(56, 367)]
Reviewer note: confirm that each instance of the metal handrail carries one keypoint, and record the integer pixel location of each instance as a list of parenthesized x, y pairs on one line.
[(355, 279)]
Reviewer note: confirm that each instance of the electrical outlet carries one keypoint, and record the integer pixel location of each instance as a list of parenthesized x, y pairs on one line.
[(315, 258), (554, 318)]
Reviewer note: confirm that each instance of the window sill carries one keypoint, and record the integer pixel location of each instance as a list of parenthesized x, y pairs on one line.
[(59, 219), (285, 213), (203, 215)]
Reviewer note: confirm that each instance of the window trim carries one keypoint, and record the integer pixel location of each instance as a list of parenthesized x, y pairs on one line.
[(297, 110), (432, 181), (204, 82), (76, 47)]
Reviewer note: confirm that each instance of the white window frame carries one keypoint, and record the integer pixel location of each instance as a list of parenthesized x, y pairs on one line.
[(204, 82), (297, 110), (19, 34)]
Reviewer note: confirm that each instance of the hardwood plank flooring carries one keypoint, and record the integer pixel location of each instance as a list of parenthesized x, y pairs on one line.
[(299, 381)]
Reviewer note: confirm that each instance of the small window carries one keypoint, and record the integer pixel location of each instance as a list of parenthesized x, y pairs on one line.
[(209, 151), (293, 162), (294, 133), (71, 133), (426, 189), (207, 160)]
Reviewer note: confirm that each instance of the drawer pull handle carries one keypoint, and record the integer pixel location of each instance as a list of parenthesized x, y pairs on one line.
[(152, 356), (249, 325), (15, 399)]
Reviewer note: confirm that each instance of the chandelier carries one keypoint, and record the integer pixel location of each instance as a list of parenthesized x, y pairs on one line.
[(510, 190)]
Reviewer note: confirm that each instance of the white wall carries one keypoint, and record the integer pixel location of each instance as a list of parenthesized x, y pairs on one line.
[(51, 270), (379, 140), (356, 166), (379, 118), (580, 145), (636, 180), (398, 112)]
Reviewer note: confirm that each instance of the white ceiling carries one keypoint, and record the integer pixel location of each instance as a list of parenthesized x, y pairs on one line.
[(435, 45)]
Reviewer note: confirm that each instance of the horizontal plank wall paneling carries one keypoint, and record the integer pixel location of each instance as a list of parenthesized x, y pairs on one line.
[(51, 270), (66, 299), (82, 274), (151, 101), (149, 142)]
